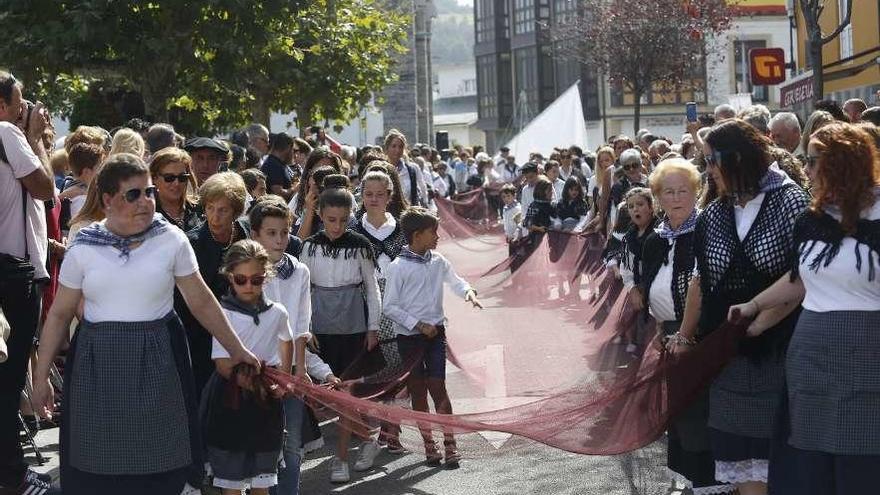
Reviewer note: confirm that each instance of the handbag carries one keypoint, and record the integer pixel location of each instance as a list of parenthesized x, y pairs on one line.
[(14, 268)]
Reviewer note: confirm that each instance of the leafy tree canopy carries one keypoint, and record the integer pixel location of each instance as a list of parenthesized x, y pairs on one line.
[(225, 61)]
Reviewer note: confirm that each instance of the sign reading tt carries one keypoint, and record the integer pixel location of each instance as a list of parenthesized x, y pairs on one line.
[(767, 66)]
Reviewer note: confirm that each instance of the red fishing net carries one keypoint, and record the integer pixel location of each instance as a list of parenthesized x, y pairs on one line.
[(541, 361)]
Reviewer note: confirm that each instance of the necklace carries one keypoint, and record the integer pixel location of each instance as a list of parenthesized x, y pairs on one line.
[(228, 243)]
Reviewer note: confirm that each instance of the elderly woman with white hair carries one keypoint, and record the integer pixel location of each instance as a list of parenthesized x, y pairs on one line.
[(632, 176)]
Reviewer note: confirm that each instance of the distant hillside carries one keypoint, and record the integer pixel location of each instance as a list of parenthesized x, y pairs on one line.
[(453, 33)]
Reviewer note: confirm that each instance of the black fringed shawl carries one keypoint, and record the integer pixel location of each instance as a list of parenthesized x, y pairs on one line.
[(390, 246), (631, 251), (812, 227), (655, 254), (350, 245)]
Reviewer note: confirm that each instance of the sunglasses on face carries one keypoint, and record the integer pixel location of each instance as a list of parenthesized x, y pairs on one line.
[(169, 178), (255, 280), (714, 159), (632, 166), (133, 195)]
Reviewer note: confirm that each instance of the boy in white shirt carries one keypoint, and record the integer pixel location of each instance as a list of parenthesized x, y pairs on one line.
[(414, 302), (511, 213), (270, 221)]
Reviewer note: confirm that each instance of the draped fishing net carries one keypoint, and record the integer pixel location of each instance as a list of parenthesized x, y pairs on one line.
[(541, 363)]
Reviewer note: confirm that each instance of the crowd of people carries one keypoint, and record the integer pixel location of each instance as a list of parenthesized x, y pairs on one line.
[(167, 271)]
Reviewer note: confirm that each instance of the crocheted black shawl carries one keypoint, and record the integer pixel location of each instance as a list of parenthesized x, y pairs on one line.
[(733, 271)]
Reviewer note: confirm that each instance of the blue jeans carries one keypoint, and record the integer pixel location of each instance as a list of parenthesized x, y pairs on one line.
[(288, 476)]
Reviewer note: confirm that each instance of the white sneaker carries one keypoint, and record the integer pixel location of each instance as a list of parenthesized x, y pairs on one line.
[(366, 455), (339, 471), (190, 490)]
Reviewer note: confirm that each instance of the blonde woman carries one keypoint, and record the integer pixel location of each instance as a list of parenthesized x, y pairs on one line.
[(127, 141)]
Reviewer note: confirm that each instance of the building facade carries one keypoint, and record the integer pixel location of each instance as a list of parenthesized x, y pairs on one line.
[(519, 72), (407, 104), (851, 61)]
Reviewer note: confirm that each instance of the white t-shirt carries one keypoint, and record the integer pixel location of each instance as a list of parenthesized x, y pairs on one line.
[(262, 339), (138, 289), (15, 232), (839, 286), (76, 204)]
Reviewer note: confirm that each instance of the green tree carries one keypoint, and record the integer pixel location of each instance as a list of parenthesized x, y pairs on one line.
[(228, 61)]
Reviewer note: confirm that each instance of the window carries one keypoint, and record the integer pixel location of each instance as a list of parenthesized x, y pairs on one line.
[(526, 83), (523, 16), (846, 35), (563, 12), (742, 77), (485, 20), (487, 88)]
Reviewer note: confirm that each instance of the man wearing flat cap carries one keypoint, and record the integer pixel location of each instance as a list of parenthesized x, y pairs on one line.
[(207, 154)]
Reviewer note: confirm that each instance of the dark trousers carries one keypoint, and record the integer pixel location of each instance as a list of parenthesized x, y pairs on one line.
[(21, 305)]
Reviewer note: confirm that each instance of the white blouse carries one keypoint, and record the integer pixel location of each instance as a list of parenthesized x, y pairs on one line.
[(138, 289), (839, 286), (337, 272), (662, 306), (381, 234), (745, 216), (263, 339), (295, 295)]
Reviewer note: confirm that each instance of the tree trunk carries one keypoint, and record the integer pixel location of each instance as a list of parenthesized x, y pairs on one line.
[(303, 117), (637, 112), (155, 104), (260, 109), (814, 45)]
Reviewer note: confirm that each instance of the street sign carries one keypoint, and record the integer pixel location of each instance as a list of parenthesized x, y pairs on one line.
[(767, 66), (797, 91)]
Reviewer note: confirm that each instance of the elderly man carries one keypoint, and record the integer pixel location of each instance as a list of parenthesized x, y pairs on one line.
[(207, 154), (724, 112), (657, 149), (258, 138), (854, 108), (785, 130), (759, 117)]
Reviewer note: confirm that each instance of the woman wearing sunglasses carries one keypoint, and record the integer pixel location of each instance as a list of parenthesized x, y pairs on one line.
[(742, 242), (171, 169), (130, 421)]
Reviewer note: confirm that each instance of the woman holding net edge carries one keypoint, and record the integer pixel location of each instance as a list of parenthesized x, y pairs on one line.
[(828, 435), (741, 242), (668, 262), (130, 346)]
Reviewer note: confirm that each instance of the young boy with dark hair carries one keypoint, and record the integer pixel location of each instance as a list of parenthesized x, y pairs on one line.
[(414, 302)]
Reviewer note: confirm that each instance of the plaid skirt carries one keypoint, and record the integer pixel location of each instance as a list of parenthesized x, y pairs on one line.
[(833, 371), (131, 420)]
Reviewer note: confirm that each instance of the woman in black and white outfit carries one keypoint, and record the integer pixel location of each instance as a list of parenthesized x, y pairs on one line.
[(130, 420), (742, 242), (668, 262), (830, 435)]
